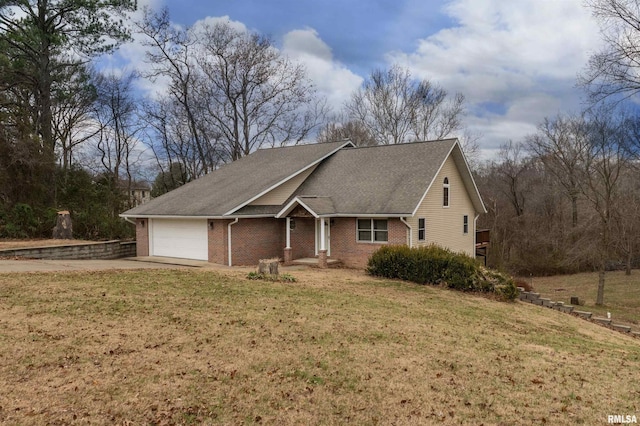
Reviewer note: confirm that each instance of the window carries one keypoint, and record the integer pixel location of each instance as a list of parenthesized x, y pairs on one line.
[(465, 224), (372, 230), (445, 193), (421, 229)]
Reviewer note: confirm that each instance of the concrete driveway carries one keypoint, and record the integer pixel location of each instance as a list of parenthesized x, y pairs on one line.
[(40, 265)]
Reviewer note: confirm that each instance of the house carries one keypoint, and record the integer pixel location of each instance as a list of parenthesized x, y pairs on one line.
[(140, 194), (330, 201)]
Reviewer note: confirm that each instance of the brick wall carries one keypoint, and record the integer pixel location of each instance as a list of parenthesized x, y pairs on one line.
[(303, 239), (218, 241), (255, 239), (142, 237), (354, 254)]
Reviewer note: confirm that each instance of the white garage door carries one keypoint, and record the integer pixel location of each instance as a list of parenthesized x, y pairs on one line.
[(185, 239)]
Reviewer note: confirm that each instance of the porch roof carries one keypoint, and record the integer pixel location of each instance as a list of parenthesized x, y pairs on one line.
[(316, 205)]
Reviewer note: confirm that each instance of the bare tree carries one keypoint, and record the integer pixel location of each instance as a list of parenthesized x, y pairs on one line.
[(116, 111), (615, 70), (340, 128), (604, 163), (171, 53), (254, 95), (513, 166), (560, 144), (396, 108), (625, 218), (72, 119)]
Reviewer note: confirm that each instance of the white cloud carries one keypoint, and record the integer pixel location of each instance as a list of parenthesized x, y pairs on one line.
[(331, 78), (523, 55)]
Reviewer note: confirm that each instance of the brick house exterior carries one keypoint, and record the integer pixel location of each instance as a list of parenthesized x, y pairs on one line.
[(326, 201)]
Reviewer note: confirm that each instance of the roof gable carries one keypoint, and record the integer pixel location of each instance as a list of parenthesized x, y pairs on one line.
[(236, 184), (382, 180)]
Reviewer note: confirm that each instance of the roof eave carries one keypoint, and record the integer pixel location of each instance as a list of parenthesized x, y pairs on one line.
[(272, 187)]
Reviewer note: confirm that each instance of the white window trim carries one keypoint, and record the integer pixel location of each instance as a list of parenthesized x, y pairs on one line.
[(446, 185), (423, 229), (373, 231)]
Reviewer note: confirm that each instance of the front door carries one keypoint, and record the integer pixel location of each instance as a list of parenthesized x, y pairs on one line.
[(327, 237)]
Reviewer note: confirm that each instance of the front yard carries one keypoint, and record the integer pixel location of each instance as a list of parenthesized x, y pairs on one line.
[(336, 347)]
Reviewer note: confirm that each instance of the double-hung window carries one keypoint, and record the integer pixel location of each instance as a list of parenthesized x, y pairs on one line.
[(465, 224), (372, 230), (422, 228)]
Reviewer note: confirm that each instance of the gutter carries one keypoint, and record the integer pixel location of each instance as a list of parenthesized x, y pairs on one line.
[(475, 234), (402, 219), (229, 238)]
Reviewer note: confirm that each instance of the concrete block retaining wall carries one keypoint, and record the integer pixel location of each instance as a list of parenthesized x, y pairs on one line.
[(534, 298), (100, 250)]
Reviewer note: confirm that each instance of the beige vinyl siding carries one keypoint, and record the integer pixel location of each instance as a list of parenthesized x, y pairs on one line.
[(444, 225), (279, 195)]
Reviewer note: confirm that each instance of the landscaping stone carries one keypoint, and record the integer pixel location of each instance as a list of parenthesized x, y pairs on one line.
[(533, 296), (567, 309), (583, 314), (546, 302), (622, 328), (604, 321)]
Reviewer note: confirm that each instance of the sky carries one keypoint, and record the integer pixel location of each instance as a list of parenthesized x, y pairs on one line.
[(515, 61)]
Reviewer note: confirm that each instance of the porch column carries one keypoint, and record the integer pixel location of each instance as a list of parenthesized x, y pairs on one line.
[(288, 256), (322, 253), (322, 234)]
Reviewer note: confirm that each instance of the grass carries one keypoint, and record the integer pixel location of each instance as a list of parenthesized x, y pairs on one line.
[(8, 244), (621, 294), (336, 347)]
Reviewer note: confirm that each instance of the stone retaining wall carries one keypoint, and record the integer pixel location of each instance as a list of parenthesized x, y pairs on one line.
[(534, 298), (100, 250)]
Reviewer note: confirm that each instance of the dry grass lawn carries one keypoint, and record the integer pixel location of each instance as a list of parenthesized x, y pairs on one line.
[(621, 293), (6, 244), (336, 347)]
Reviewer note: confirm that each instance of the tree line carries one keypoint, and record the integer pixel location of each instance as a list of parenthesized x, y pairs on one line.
[(78, 138)]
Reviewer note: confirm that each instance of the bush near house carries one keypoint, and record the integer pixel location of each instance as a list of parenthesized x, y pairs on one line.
[(439, 266)]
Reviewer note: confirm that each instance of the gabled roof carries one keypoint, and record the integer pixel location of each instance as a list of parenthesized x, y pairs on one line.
[(317, 206), (388, 180), (236, 184)]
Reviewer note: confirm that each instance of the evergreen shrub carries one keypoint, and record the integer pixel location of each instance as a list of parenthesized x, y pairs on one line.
[(439, 266)]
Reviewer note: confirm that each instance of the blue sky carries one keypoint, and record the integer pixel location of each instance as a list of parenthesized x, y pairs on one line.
[(514, 61)]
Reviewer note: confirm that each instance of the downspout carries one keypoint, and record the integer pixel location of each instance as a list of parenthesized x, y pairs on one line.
[(410, 231), (229, 237), (475, 236), (128, 220)]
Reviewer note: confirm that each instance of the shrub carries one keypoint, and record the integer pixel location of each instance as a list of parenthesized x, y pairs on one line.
[(275, 278), (439, 266)]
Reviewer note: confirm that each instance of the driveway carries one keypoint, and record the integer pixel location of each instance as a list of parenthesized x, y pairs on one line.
[(40, 265)]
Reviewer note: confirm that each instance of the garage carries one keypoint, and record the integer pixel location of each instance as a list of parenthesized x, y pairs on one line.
[(186, 239)]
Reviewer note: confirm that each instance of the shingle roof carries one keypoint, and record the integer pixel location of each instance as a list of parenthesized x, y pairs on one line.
[(390, 179), (382, 180), (234, 184)]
